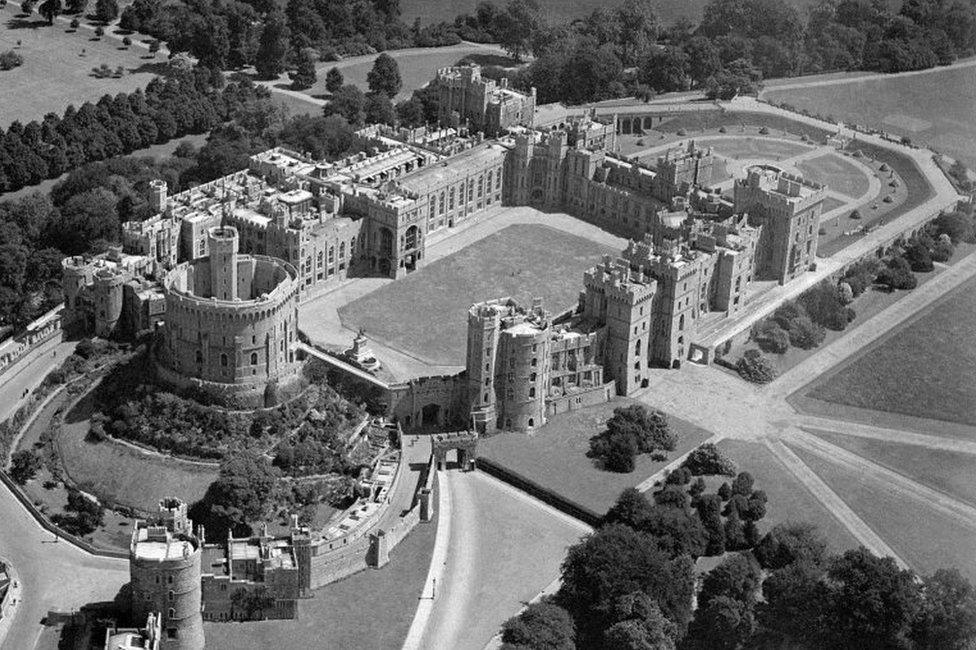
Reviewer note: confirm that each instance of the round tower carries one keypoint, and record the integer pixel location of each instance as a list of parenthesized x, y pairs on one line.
[(157, 195), (108, 300), (223, 241), (482, 347), (164, 570), (76, 274)]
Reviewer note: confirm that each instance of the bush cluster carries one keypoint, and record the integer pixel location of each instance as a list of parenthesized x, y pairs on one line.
[(630, 431)]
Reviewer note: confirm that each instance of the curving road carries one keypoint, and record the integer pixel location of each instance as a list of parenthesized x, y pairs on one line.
[(504, 547), (55, 577)]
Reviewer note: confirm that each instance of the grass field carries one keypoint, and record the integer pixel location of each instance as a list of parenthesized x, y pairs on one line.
[(417, 67), (917, 106), (945, 471), (830, 203), (522, 261), (925, 369), (555, 455), (925, 539), (788, 499), (836, 173), (54, 73), (372, 609), (119, 474), (754, 147)]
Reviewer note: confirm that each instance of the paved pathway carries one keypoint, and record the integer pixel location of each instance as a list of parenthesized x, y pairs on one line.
[(505, 547), (859, 430)]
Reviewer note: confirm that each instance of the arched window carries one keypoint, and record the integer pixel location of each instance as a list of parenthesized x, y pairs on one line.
[(532, 377), (637, 348), (254, 358), (170, 595), (532, 392), (531, 422), (223, 360), (171, 613), (199, 356)]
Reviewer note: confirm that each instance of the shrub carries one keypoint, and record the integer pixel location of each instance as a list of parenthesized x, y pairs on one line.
[(805, 334), (845, 293), (897, 274), (725, 492), (855, 214), (24, 465), (75, 23), (127, 41), (755, 367), (764, 130), (707, 459), (942, 250), (918, 256), (824, 306), (10, 60)]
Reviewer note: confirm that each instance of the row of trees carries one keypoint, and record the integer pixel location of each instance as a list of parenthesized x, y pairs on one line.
[(186, 102), (628, 50), (273, 36), (627, 587)]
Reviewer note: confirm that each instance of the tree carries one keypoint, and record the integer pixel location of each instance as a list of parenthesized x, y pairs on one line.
[(918, 256), (956, 224), (379, 109), (672, 496), (333, 80), (77, 6), (709, 508), (631, 509), (384, 77), (649, 427), (304, 75), (737, 577), (349, 102), (707, 459), (755, 367), (805, 334), (541, 625), (252, 601), (897, 274), (666, 69), (106, 10), (790, 543), (724, 624), (795, 598), (99, 32), (743, 484), (85, 218), (50, 9), (24, 465), (948, 617), (640, 625), (871, 601), (615, 561), (272, 46), (516, 26), (243, 489), (677, 531)]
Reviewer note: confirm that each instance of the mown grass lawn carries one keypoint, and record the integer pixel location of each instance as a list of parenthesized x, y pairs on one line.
[(57, 67), (927, 540), (946, 471), (926, 368), (554, 456), (425, 314)]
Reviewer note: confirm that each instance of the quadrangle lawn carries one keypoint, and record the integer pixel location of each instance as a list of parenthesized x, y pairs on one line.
[(55, 73), (916, 106), (926, 368), (837, 174), (927, 540), (425, 313), (554, 456)]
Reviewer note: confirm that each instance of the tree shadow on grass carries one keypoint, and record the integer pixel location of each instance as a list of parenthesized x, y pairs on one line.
[(23, 21)]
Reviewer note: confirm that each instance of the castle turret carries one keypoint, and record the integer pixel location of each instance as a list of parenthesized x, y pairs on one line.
[(157, 195), (223, 242), (164, 569), (108, 293)]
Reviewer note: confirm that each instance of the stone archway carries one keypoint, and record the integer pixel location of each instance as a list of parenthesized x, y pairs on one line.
[(430, 415), (464, 442)]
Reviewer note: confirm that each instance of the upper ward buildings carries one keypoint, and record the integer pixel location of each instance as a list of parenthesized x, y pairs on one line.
[(694, 251)]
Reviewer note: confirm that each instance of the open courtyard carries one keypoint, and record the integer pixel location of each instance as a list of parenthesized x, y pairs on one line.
[(521, 261)]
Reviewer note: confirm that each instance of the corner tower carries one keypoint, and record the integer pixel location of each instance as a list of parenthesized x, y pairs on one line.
[(621, 300)]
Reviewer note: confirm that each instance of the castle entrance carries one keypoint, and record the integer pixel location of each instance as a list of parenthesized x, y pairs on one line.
[(465, 443), (430, 415)]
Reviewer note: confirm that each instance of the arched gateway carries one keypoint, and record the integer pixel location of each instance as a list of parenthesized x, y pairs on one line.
[(466, 444)]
